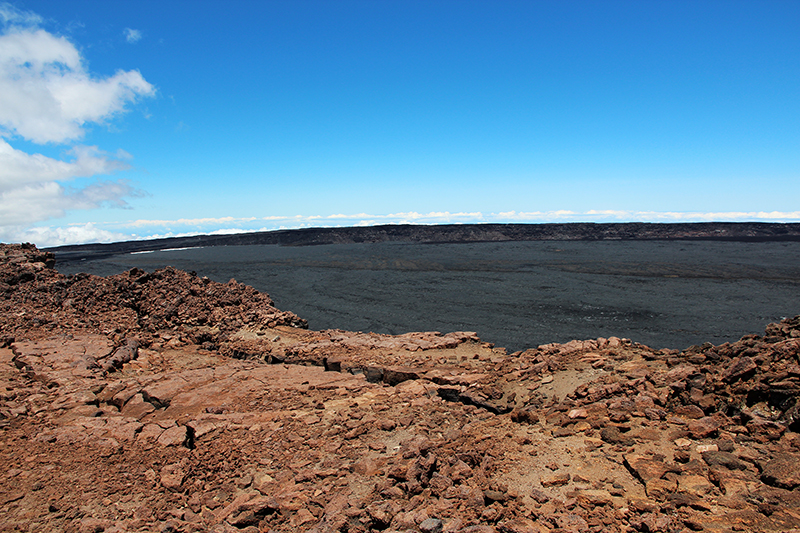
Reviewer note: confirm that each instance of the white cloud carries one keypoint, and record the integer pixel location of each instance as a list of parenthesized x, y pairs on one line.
[(609, 215), (132, 36), (19, 169), (55, 236), (47, 95), (41, 201), (10, 14), (189, 222)]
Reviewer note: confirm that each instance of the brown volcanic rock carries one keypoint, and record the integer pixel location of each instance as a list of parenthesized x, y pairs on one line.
[(783, 471), (147, 402), (164, 306)]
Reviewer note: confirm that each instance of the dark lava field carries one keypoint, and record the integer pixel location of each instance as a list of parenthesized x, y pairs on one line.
[(664, 294)]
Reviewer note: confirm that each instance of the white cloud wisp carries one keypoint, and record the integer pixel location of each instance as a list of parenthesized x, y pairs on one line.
[(47, 96), (14, 15), (132, 36)]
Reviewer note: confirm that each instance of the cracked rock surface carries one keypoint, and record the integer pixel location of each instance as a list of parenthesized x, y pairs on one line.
[(164, 401)]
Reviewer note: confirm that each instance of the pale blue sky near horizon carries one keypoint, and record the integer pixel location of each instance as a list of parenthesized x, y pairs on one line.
[(264, 115)]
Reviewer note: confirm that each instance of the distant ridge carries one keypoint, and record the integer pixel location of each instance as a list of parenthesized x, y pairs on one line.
[(456, 233)]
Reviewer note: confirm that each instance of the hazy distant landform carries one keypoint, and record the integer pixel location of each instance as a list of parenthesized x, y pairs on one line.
[(660, 292), (458, 233)]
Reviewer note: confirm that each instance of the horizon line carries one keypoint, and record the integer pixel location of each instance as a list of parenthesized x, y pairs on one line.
[(235, 232)]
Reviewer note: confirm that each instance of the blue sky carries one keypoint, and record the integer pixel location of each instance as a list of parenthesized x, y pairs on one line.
[(135, 119)]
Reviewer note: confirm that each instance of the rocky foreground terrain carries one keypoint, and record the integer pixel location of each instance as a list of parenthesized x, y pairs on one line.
[(164, 401)]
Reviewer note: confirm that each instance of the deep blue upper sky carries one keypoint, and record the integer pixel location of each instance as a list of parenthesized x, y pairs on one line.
[(254, 115)]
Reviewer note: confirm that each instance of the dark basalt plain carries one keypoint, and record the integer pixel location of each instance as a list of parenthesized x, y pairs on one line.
[(663, 292)]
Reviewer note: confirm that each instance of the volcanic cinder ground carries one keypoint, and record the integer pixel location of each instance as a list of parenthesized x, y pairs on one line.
[(516, 294)]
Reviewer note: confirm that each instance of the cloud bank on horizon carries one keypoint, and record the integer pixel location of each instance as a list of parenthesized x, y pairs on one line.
[(392, 113), (160, 229)]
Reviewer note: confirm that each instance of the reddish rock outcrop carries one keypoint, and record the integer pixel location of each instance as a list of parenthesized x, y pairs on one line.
[(166, 402)]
